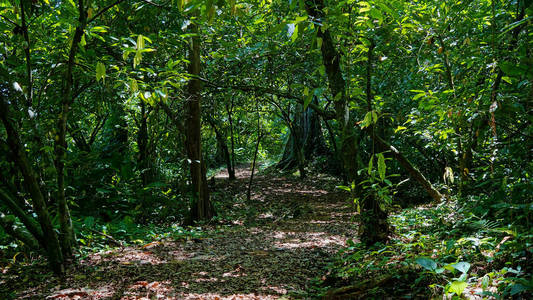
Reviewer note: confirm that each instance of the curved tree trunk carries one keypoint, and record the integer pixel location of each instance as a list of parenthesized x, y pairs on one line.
[(52, 246)]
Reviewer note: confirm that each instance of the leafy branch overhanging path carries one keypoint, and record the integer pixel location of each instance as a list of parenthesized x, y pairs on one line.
[(270, 248)]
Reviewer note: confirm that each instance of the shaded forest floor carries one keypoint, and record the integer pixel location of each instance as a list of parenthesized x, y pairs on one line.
[(274, 246)]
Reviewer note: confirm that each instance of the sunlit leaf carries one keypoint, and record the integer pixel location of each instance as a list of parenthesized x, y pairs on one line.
[(100, 72), (457, 287)]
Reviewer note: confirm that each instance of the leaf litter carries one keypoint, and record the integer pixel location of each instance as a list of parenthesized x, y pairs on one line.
[(272, 247)]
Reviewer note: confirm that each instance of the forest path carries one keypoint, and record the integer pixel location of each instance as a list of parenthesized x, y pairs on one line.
[(268, 248)]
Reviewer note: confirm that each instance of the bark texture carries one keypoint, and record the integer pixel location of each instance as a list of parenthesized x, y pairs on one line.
[(348, 148), (52, 245), (202, 208)]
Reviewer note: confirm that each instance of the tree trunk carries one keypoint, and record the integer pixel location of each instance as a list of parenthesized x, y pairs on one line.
[(202, 208), (16, 209), (296, 133), (374, 224), (8, 224), (306, 130), (259, 135), (65, 223), (223, 147), (144, 162), (249, 191), (53, 248), (232, 138), (348, 149), (60, 147), (413, 171)]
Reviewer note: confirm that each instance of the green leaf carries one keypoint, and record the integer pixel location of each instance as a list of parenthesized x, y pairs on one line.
[(294, 35), (367, 120), (345, 188), (140, 42), (134, 87), (137, 59), (300, 19), (512, 69), (100, 72), (427, 263), (382, 168), (507, 79), (462, 266), (457, 287), (399, 128), (365, 6), (518, 288), (418, 96), (374, 117), (386, 9), (180, 4), (376, 14)]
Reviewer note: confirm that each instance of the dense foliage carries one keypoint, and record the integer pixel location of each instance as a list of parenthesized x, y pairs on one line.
[(115, 114)]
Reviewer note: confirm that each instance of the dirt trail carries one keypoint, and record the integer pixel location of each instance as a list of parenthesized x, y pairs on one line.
[(272, 248)]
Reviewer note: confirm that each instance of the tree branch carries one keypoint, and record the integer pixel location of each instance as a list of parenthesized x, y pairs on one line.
[(103, 10), (327, 115)]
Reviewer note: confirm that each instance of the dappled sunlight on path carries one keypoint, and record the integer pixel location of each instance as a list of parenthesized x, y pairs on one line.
[(269, 248)]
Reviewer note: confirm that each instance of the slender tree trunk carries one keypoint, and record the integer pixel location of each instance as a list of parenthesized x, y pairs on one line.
[(222, 146), (66, 231), (374, 223), (259, 135), (375, 226), (202, 208), (232, 138), (65, 222), (144, 161)]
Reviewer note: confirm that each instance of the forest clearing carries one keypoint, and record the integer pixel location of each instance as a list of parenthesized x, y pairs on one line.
[(266, 149)]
